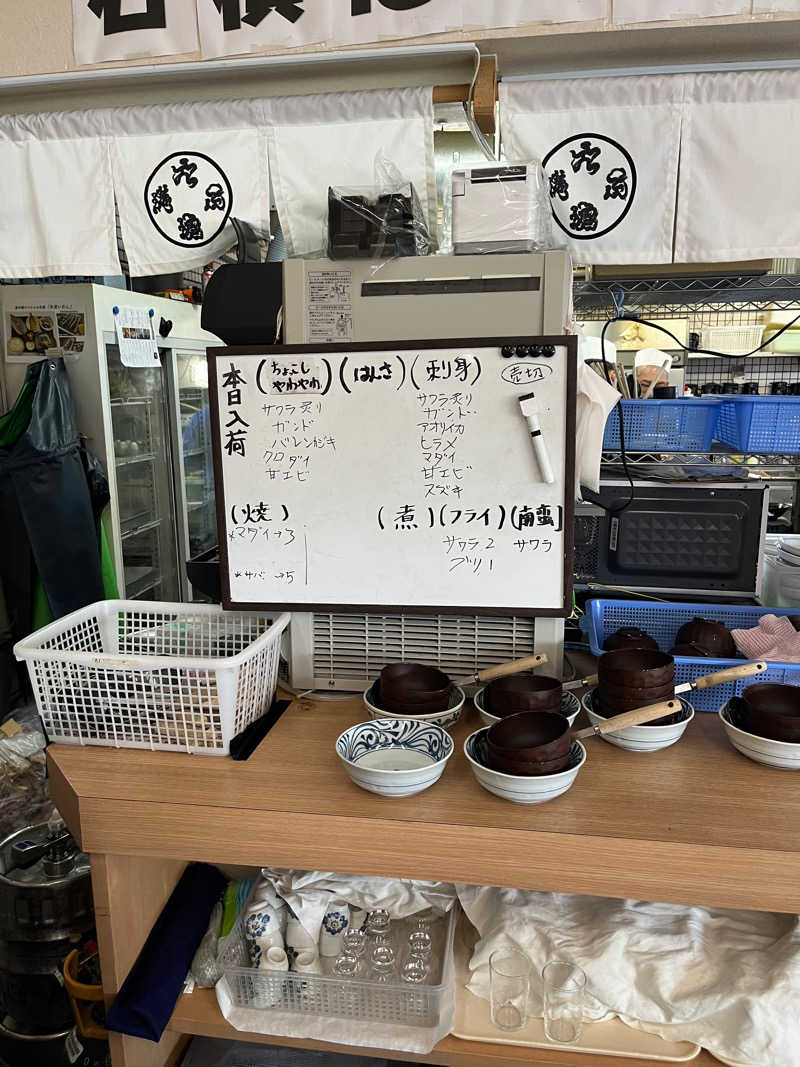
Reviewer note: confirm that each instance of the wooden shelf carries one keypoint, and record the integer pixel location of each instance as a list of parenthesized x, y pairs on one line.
[(199, 1013), (695, 824)]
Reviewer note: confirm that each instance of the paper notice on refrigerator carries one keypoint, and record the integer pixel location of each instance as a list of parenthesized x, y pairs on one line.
[(329, 301), (137, 342)]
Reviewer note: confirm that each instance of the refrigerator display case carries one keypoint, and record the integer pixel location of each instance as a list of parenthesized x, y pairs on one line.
[(149, 426)]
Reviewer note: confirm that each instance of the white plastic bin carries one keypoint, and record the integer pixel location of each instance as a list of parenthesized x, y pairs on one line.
[(137, 674)]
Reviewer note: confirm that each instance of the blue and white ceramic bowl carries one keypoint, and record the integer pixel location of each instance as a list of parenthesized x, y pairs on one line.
[(645, 738), (570, 708), (784, 755), (521, 789), (395, 757), (446, 719)]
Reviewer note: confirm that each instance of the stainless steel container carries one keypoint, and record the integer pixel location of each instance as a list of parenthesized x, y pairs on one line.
[(45, 908)]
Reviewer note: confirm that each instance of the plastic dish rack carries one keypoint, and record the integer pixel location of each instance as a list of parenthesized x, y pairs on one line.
[(393, 1003), (685, 425), (760, 423), (662, 622), (133, 674)]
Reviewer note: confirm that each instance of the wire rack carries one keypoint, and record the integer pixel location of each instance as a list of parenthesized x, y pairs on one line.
[(740, 297)]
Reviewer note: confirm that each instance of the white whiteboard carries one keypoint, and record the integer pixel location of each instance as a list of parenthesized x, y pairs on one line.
[(394, 477)]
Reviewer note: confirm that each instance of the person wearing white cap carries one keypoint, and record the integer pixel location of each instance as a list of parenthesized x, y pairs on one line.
[(649, 368)]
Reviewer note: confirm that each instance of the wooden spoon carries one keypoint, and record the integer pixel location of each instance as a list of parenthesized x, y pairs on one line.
[(502, 670), (630, 718)]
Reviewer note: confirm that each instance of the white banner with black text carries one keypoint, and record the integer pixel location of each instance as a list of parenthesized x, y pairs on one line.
[(610, 150), (178, 191), (104, 30)]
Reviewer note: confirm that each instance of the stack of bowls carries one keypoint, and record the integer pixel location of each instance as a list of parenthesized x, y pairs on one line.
[(531, 743), (772, 711), (521, 788), (414, 691), (522, 692), (570, 707), (753, 725), (633, 678), (412, 687), (780, 564)]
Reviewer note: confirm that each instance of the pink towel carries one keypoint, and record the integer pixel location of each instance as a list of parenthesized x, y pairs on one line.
[(774, 638)]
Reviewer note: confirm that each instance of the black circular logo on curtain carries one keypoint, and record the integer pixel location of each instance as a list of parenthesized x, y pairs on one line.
[(591, 183), (188, 199)]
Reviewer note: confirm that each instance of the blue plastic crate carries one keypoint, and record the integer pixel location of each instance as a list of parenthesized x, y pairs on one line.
[(662, 622), (684, 425), (760, 423)]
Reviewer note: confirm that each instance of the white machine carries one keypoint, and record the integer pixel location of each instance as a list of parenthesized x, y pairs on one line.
[(435, 297), (500, 209)]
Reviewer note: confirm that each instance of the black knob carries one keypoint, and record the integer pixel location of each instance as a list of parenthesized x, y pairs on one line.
[(508, 351), (523, 351), (536, 351), (548, 351)]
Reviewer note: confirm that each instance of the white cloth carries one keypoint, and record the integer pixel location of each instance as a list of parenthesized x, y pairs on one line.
[(596, 399), (345, 140), (58, 204), (610, 149), (57, 208), (740, 155), (177, 191), (308, 894), (726, 980)]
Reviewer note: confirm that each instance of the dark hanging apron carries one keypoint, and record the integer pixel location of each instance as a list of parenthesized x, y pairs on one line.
[(47, 523)]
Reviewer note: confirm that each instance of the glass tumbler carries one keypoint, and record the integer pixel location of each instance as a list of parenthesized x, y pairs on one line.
[(510, 974), (564, 988)]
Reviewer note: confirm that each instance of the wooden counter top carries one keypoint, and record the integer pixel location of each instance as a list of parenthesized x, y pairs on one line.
[(695, 823)]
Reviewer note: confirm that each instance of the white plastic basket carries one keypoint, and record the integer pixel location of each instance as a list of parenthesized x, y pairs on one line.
[(734, 340), (133, 674), (350, 1010)]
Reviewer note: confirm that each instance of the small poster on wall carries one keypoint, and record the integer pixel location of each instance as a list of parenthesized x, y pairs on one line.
[(105, 30), (33, 331)]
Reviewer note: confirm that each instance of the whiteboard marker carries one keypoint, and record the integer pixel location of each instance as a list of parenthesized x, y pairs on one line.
[(528, 407)]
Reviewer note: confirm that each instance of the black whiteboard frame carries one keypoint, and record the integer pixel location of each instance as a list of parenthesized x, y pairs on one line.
[(570, 342)]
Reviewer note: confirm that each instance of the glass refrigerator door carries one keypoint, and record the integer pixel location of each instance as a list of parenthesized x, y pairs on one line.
[(195, 442), (143, 464)]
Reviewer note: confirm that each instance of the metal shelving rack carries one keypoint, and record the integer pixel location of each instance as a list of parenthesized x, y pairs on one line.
[(688, 297), (709, 300)]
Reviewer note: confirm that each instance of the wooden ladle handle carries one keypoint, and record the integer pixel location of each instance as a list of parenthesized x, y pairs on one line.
[(504, 669), (631, 718), (590, 682), (731, 674)]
